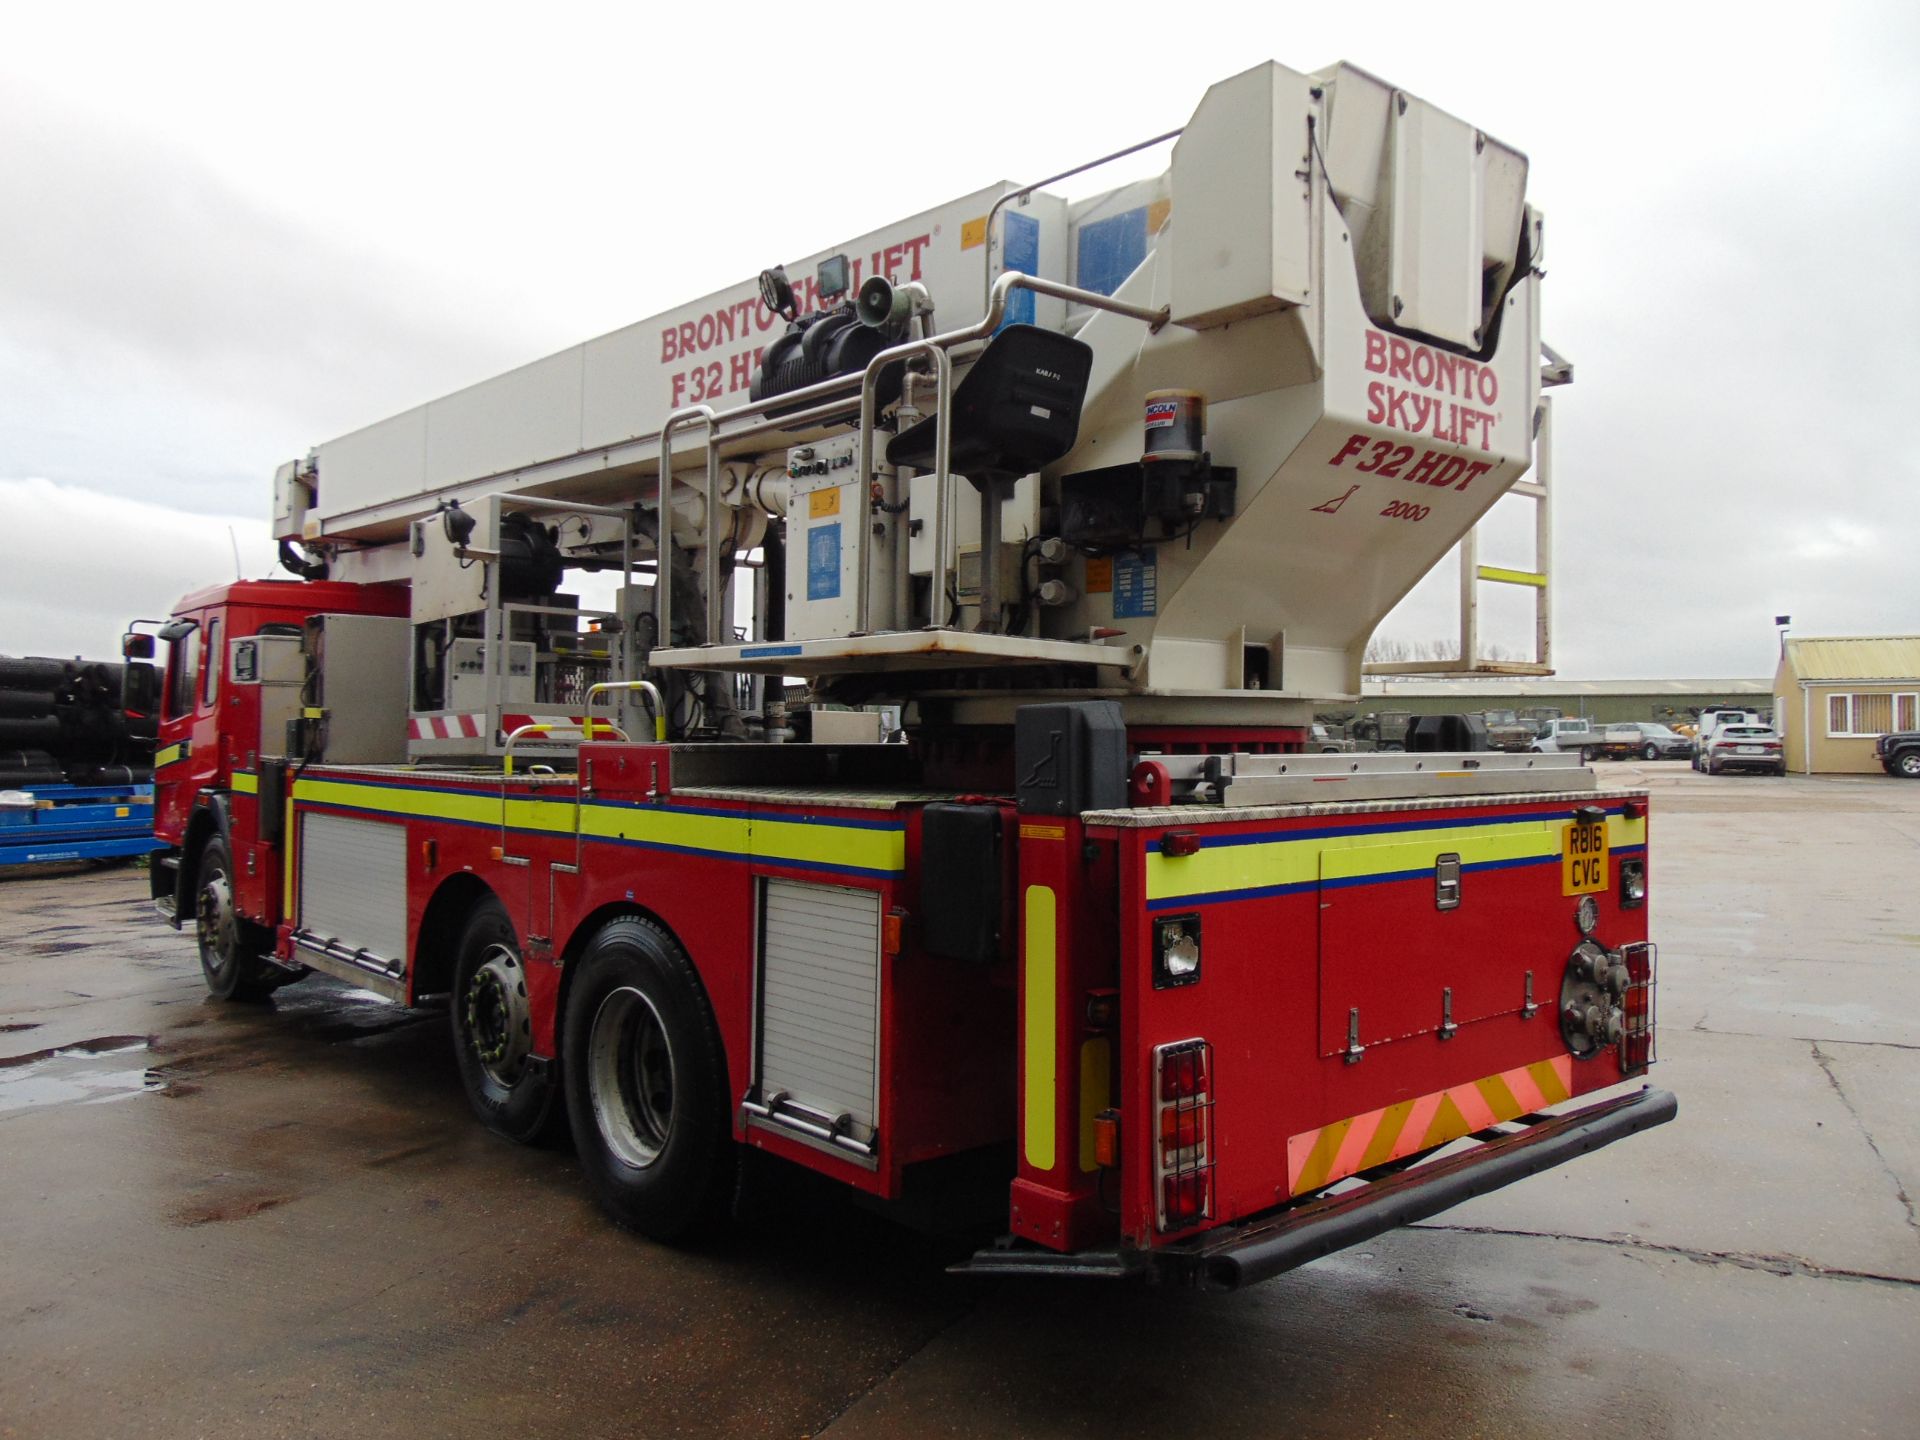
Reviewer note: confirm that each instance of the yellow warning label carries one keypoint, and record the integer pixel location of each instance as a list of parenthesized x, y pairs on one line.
[(1043, 832), (822, 503), (973, 233), (1100, 575)]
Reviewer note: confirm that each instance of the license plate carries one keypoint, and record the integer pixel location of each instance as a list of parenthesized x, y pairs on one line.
[(1583, 857), (1751, 750)]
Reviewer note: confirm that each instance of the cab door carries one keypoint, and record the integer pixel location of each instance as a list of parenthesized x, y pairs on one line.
[(187, 755)]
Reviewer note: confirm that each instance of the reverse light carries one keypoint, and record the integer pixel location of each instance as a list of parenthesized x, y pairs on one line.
[(1176, 951), (1633, 883), (1183, 1133)]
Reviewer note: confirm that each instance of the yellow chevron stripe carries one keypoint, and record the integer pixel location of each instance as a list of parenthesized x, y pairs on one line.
[(1325, 1150), (1499, 1098), (1391, 1138), (1552, 1089), (1447, 1124), (1380, 1149)]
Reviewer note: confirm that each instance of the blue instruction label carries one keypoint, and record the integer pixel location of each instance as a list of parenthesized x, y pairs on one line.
[(1135, 580), (823, 562)]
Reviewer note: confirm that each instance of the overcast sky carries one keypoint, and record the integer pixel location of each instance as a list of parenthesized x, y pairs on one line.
[(229, 233)]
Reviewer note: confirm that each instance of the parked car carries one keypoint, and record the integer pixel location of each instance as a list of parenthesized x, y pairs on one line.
[(1899, 753), (1713, 720), (1649, 740), (1325, 742), (1744, 747)]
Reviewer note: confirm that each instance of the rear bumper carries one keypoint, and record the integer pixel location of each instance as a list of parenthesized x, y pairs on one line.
[(1229, 1256)]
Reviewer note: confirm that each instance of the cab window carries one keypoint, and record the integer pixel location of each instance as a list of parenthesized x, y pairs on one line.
[(211, 670), (183, 673)]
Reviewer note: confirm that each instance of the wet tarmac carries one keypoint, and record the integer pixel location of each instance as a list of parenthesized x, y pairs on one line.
[(278, 1220)]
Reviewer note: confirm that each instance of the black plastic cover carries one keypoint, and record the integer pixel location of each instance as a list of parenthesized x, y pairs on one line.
[(1070, 757), (961, 879), (1449, 734)]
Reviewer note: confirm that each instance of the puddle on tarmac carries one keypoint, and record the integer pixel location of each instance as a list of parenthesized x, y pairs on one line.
[(86, 1073)]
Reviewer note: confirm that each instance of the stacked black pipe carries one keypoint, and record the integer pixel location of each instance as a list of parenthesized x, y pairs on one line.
[(61, 723)]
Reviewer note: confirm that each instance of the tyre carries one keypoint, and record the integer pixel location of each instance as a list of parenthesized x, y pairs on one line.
[(647, 1083), (1907, 765), (1650, 752), (230, 959), (511, 1092), (1713, 767)]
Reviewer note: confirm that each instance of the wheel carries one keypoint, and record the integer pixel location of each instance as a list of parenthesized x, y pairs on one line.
[(647, 1082), (493, 1030), (230, 959), (1907, 764), (1650, 752), (1713, 767)]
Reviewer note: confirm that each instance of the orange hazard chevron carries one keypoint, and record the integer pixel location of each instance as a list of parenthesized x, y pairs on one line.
[(1346, 1147)]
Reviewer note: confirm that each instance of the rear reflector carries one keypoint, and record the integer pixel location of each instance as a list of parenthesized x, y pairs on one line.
[(1636, 1005), (1183, 1133)]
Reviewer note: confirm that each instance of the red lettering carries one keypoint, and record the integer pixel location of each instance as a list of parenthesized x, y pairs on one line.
[(740, 371), (1424, 467), (1355, 444), (1399, 353), (686, 339), (1489, 385), (679, 389), (1449, 468), (1376, 352), (895, 254), (917, 245), (668, 352), (1474, 472), (763, 318), (1422, 353), (704, 331)]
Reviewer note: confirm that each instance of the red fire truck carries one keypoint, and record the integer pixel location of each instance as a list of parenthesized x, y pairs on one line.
[(910, 840)]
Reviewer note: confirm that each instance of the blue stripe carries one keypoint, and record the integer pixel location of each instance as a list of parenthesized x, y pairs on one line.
[(747, 810), (768, 652), (333, 807), (1344, 882)]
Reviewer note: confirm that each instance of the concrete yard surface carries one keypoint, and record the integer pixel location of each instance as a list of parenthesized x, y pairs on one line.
[(231, 1220)]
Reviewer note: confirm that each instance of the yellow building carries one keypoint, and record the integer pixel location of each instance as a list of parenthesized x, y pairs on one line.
[(1833, 698)]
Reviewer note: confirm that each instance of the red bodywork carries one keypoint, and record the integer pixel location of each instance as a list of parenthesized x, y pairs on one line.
[(1056, 1040)]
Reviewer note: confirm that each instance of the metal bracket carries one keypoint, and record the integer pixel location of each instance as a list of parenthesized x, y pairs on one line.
[(1447, 1028), (1530, 1008), (1354, 1048)]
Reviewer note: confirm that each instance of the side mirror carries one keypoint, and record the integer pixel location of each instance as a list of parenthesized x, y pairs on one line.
[(139, 686), (136, 647)]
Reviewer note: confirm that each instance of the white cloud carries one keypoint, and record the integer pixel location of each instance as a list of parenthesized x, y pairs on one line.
[(76, 564)]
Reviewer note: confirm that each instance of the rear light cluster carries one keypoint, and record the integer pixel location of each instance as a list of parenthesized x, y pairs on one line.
[(1183, 1133), (1636, 1005)]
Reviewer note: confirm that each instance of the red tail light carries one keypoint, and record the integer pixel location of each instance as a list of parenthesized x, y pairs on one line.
[(1636, 1005), (1183, 1133)]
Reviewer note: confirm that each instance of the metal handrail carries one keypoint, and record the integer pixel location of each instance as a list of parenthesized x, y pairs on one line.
[(1027, 190), (663, 505), (942, 442), (544, 728), (646, 687), (841, 385)]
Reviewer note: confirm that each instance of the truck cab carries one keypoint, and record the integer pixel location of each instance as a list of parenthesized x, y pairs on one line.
[(217, 713)]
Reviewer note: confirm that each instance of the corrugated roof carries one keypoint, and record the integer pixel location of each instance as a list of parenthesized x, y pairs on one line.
[(1856, 657)]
